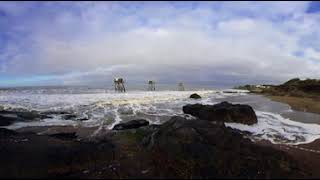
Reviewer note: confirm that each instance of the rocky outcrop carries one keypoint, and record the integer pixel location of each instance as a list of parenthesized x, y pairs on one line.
[(224, 112), (195, 96), (180, 148), (64, 136), (131, 124), (4, 133), (9, 117), (200, 149), (6, 120), (28, 155)]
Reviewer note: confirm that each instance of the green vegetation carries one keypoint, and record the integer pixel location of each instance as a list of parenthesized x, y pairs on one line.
[(297, 88), (294, 87), (301, 95)]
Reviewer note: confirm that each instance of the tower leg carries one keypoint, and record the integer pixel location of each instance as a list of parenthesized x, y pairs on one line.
[(124, 89)]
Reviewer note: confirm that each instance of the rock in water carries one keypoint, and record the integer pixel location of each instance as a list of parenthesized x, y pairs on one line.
[(131, 124), (6, 120), (224, 112), (195, 96), (9, 117)]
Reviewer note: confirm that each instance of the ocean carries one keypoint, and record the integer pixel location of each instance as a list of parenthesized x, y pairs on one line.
[(102, 107)]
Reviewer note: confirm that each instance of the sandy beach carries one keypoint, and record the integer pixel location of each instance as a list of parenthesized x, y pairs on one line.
[(299, 103)]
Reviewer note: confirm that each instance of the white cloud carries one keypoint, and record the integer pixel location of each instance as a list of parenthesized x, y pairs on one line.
[(241, 40)]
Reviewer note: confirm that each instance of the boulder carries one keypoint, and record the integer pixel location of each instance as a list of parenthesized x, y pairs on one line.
[(195, 96), (9, 117), (133, 124), (224, 111), (200, 149)]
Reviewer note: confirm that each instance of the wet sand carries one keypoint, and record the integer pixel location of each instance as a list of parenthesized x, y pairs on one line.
[(299, 103)]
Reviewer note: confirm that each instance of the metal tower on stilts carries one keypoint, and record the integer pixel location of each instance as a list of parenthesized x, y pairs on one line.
[(119, 85)]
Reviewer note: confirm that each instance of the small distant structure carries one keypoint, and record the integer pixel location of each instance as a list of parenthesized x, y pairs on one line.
[(180, 87), (119, 85), (261, 86), (151, 86)]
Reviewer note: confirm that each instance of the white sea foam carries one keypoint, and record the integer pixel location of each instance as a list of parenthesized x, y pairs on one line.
[(64, 101), (105, 109), (108, 109), (280, 130), (44, 122)]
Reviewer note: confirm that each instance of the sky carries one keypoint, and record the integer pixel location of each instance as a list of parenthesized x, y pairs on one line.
[(218, 43)]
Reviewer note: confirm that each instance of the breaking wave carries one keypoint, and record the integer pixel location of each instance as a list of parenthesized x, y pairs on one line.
[(101, 109), (280, 130)]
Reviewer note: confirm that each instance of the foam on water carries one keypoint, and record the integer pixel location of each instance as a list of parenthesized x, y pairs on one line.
[(43, 102), (44, 122), (280, 130), (105, 110)]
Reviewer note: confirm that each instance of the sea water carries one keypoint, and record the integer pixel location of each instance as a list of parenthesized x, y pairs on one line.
[(100, 107)]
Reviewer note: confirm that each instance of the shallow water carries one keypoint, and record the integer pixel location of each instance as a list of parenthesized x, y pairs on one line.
[(277, 122)]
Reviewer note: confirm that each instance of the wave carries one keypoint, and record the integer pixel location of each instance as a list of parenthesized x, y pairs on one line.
[(107, 109), (280, 130)]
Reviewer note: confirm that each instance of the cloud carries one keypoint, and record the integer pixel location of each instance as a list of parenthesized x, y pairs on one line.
[(85, 42)]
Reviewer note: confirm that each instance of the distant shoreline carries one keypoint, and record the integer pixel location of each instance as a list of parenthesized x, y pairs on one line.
[(301, 95)]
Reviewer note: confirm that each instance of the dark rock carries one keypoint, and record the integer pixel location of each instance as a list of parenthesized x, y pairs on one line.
[(151, 127), (55, 112), (6, 132), (27, 155), (82, 119), (64, 136), (69, 116), (179, 148), (9, 117), (230, 92), (31, 115), (195, 96), (224, 112), (131, 124), (200, 149), (65, 115)]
